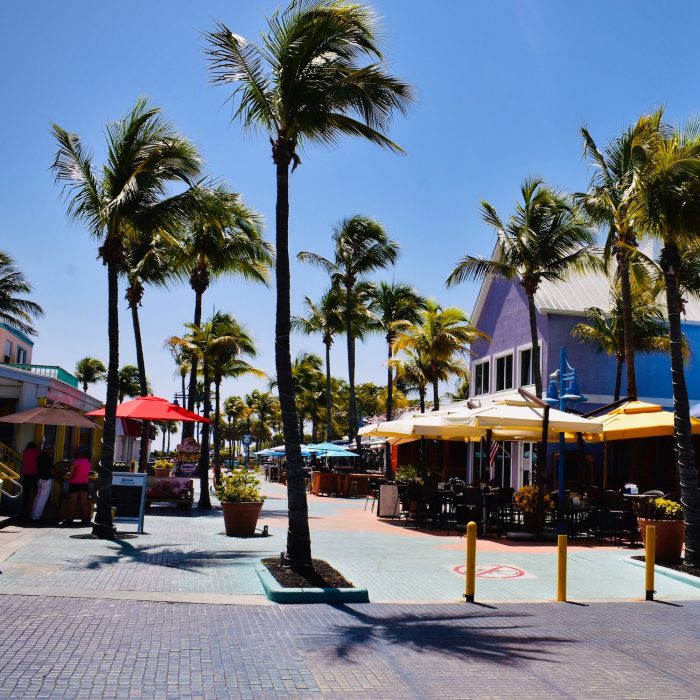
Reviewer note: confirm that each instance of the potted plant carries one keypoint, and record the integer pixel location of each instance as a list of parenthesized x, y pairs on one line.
[(525, 499), (163, 467), (241, 501), (667, 516)]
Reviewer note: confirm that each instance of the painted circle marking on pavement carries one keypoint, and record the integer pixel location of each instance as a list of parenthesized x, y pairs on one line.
[(494, 571)]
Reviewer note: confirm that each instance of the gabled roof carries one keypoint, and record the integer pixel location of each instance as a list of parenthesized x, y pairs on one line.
[(572, 297)]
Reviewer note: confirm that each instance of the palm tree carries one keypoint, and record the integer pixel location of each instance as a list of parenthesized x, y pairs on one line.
[(145, 154), (16, 311), (543, 240), (129, 382), (605, 329), (411, 371), (461, 393), (90, 370), (325, 318), (309, 385), (265, 405), (607, 202), (667, 204), (207, 343), (235, 411), (307, 84), (224, 238), (361, 246), (394, 303), (441, 337), (226, 361)]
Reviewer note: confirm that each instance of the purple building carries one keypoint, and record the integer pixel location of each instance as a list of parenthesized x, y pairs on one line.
[(504, 364)]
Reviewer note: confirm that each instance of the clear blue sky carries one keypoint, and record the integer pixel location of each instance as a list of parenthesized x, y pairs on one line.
[(503, 88)]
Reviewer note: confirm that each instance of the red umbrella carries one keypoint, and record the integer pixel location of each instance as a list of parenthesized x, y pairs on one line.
[(152, 408)]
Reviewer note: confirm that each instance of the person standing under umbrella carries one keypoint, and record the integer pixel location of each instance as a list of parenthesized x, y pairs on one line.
[(44, 465), (29, 477)]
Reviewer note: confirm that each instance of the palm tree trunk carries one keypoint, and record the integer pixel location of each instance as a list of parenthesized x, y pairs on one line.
[(204, 502), (261, 419), (352, 427), (389, 406), (421, 395), (188, 428), (436, 396), (627, 324), (618, 375), (217, 431), (536, 371), (169, 434), (103, 526), (163, 443), (143, 387), (230, 438), (687, 472), (329, 421), (184, 403), (298, 539)]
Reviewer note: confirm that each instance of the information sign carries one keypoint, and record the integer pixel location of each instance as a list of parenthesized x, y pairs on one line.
[(247, 439), (129, 497)]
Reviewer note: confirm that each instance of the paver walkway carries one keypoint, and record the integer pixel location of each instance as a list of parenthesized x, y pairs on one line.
[(187, 558), (64, 648)]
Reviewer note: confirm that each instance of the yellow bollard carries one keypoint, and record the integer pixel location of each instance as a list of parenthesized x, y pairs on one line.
[(471, 562), (649, 560), (561, 568)]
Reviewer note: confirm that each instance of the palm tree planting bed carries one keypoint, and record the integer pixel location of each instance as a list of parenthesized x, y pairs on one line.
[(320, 583)]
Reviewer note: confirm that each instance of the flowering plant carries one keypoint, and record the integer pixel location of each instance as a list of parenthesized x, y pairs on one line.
[(240, 486), (162, 464), (408, 474), (525, 498), (659, 509)]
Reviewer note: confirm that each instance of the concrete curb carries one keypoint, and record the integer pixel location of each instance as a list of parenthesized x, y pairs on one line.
[(693, 581), (277, 594)]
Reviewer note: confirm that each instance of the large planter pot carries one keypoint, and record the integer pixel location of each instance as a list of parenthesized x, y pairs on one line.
[(240, 519), (669, 538)]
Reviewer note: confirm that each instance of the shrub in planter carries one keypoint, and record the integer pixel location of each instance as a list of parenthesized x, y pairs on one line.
[(163, 467), (241, 501), (667, 517), (525, 499)]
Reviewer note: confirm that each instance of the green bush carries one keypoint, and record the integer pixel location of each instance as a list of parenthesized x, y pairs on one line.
[(240, 486)]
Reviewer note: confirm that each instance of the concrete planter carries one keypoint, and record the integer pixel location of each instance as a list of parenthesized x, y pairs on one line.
[(669, 538), (240, 519)]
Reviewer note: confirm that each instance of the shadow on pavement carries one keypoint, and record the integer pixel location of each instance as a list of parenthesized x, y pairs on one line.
[(504, 642)]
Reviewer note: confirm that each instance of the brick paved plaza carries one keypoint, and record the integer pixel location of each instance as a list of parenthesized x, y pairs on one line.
[(179, 612)]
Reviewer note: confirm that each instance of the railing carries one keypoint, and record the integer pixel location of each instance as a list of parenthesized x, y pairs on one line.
[(53, 371), (8, 476), (7, 454)]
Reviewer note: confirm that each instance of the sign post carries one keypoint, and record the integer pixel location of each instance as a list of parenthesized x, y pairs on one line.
[(129, 497), (247, 439)]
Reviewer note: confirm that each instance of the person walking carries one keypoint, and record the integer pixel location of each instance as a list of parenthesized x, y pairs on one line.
[(29, 476), (44, 464)]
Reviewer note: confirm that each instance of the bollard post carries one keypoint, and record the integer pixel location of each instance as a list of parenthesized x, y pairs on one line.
[(471, 562), (561, 568), (649, 560)]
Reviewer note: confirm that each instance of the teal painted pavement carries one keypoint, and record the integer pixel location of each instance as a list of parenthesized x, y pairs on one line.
[(188, 554)]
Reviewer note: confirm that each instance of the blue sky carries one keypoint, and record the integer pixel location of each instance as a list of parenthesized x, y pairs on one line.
[(503, 88)]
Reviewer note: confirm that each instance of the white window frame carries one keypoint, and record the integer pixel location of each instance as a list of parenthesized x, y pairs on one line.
[(519, 351), (494, 371), (474, 365), (21, 350), (7, 355)]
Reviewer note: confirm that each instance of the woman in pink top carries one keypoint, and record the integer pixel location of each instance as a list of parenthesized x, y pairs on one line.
[(78, 487)]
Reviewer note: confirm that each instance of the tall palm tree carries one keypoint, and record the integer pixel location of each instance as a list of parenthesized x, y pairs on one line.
[(667, 204), (235, 410), (607, 202), (15, 310), (325, 318), (543, 240), (309, 385), (148, 260), (223, 238), (265, 404), (145, 155), (309, 83), (605, 329), (411, 371), (207, 343), (394, 303), (129, 383), (361, 246), (90, 370), (441, 337), (227, 361)]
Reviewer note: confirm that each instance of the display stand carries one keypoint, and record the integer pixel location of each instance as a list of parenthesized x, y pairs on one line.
[(129, 498)]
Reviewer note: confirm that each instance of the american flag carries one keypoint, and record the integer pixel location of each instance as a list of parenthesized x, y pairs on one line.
[(492, 455)]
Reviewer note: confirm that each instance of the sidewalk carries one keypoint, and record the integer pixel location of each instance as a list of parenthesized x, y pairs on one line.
[(185, 557)]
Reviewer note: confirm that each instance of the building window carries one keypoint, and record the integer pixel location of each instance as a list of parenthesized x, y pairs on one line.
[(526, 367), (8, 351), (21, 356), (481, 378), (504, 372)]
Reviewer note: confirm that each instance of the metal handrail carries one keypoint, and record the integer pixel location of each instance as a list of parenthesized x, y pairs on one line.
[(13, 479), (5, 471)]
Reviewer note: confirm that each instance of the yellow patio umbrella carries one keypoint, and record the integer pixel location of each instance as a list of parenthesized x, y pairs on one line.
[(638, 419)]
